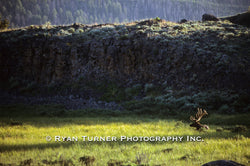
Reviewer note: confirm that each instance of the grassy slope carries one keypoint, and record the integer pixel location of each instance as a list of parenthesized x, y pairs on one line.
[(22, 142)]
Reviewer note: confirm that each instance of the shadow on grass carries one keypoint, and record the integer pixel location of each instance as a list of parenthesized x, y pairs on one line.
[(57, 116)]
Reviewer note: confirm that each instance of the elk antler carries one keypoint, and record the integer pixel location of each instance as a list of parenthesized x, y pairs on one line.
[(200, 113), (192, 118)]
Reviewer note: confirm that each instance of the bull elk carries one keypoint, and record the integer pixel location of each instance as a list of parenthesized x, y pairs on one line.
[(196, 121)]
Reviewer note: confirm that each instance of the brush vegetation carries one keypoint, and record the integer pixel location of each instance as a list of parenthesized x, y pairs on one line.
[(23, 131)]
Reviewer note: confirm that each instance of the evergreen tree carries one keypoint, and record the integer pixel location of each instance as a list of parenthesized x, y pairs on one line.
[(26, 12)]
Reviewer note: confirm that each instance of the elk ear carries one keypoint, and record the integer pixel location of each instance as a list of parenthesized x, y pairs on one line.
[(206, 127)]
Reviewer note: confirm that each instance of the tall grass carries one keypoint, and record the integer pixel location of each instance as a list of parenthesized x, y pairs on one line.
[(23, 138)]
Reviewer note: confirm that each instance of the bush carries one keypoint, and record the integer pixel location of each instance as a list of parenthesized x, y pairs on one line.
[(170, 103), (4, 23), (111, 92), (133, 91), (224, 109), (29, 88), (63, 33), (79, 31), (71, 30), (152, 90), (14, 83), (124, 37), (149, 88), (157, 19)]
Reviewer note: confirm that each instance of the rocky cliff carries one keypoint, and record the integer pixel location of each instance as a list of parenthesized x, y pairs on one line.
[(204, 55)]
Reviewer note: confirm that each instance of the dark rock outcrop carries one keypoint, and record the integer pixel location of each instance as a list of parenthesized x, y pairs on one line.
[(209, 17), (222, 163), (241, 19), (183, 21), (204, 55)]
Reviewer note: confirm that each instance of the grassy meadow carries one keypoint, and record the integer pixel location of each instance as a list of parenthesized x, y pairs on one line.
[(23, 132)]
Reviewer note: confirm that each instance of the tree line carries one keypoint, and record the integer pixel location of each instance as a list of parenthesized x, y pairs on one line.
[(35, 12)]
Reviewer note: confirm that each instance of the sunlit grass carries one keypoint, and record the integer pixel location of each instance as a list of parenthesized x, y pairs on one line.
[(28, 141)]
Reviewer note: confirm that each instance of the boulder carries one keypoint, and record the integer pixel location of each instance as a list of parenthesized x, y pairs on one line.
[(183, 21), (222, 163), (209, 17)]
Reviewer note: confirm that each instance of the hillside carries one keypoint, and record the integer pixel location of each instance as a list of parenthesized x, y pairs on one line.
[(207, 63), (179, 55), (28, 12)]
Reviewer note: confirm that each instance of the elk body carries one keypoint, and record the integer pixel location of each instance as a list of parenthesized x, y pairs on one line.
[(196, 121)]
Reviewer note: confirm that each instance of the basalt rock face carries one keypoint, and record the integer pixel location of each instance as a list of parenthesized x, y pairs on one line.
[(199, 54), (241, 19)]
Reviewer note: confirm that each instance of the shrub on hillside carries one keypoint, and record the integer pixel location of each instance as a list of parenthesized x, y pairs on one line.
[(4, 23)]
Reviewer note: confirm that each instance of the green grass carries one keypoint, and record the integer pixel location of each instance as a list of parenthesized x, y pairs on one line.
[(22, 137)]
